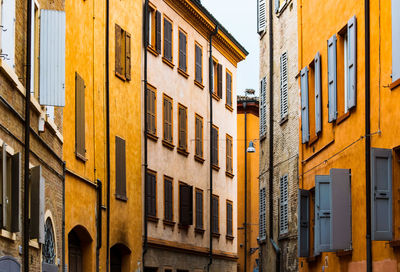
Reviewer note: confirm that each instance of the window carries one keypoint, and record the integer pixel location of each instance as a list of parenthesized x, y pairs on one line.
[(215, 214), (263, 107), (283, 206), (151, 111), (48, 250), (122, 53), (167, 120), (217, 76), (215, 146), (262, 210), (229, 90), (182, 52), (395, 43), (199, 137), (154, 37), (199, 64), (185, 204), (80, 148), (151, 194), (229, 221), (167, 57), (199, 209), (120, 169), (8, 32), (229, 156), (168, 199), (284, 85), (182, 120)]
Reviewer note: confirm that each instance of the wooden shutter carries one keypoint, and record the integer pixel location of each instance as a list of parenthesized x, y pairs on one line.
[(303, 247), (181, 128), (305, 133), (198, 57), (120, 168), (215, 215), (37, 195), (229, 222), (352, 62), (284, 85), (322, 231), (262, 217), (128, 56), (332, 79), (284, 206), (228, 89), (158, 31), (229, 167), (318, 92), (261, 15), (4, 217), (381, 174), (118, 46), (165, 123), (151, 112), (80, 116), (15, 191), (186, 204), (219, 75), (395, 40), (151, 194), (170, 120), (182, 51), (214, 146), (199, 210), (168, 199), (167, 39), (263, 107)]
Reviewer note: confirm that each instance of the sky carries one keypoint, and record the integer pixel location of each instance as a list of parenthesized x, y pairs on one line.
[(240, 19)]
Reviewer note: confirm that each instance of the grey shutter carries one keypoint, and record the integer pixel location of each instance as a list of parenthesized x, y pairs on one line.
[(37, 204), (341, 209), (168, 199), (261, 15), (332, 80), (199, 76), (262, 217), (229, 218), (304, 223), (151, 194), (52, 58), (182, 51), (284, 84), (277, 4), (215, 210), (228, 89), (318, 93), (305, 133), (9, 264), (15, 191), (80, 116), (352, 62), (8, 32), (158, 32), (381, 194), (167, 40), (263, 107), (199, 210), (219, 80), (284, 207), (322, 229), (4, 217), (120, 167), (395, 40)]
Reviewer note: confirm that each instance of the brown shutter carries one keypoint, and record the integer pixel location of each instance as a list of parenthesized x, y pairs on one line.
[(16, 186), (201, 137), (79, 116), (148, 121), (198, 63), (165, 126), (197, 136), (170, 120), (182, 51), (180, 118), (4, 185), (186, 204), (153, 107), (219, 70), (120, 168), (185, 128), (37, 204), (118, 64), (215, 215), (128, 56), (158, 32)]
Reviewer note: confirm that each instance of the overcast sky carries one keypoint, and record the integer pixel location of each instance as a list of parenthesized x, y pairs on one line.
[(239, 17)]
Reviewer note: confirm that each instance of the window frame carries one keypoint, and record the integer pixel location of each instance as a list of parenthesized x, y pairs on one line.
[(152, 37), (196, 156), (196, 82), (166, 142), (182, 72), (183, 151), (153, 136), (228, 106), (169, 62)]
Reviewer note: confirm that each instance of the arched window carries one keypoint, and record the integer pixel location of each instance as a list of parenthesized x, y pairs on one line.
[(48, 252)]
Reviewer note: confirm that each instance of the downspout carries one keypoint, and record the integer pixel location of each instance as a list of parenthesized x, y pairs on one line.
[(245, 185), (145, 39), (210, 84), (367, 134), (63, 217), (99, 223), (27, 135)]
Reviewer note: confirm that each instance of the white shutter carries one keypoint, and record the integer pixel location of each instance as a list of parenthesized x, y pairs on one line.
[(7, 31), (263, 107), (262, 209), (284, 85), (261, 18), (284, 209)]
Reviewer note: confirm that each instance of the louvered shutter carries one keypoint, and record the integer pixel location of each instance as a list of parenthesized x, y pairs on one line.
[(262, 217), (8, 32), (170, 120), (263, 107), (381, 174), (228, 89), (352, 62), (322, 229), (37, 194), (158, 32), (182, 51), (52, 58), (165, 123), (120, 167), (395, 40), (168, 199), (167, 40), (80, 116), (318, 92), (4, 217), (277, 5), (151, 194), (261, 15), (153, 111), (305, 133), (199, 210), (284, 208), (341, 209), (15, 191), (199, 76), (118, 46), (186, 205), (219, 75), (128, 56), (197, 136), (332, 79), (180, 119), (229, 218), (303, 241), (284, 85), (215, 147), (215, 209)]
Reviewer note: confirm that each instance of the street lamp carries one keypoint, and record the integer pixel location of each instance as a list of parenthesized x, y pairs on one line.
[(251, 148)]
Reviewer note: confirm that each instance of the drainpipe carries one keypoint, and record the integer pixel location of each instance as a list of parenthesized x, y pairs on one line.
[(99, 223), (27, 135), (367, 134), (211, 87), (63, 217), (245, 185)]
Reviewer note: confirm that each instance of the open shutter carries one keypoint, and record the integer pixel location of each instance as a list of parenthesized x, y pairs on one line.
[(118, 46), (332, 80), (8, 32), (341, 209), (381, 194), (322, 229), (120, 168), (261, 15), (15, 191), (304, 106), (284, 85), (277, 5), (158, 31), (52, 58), (80, 116), (318, 92), (128, 56), (219, 74), (395, 40), (304, 223), (4, 217), (37, 204), (263, 107), (352, 62)]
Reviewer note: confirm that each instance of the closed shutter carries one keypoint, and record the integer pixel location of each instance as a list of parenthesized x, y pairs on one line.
[(37, 204), (318, 92), (151, 112), (303, 224), (305, 133), (332, 80), (186, 204), (118, 46), (381, 194), (168, 199), (229, 167), (199, 72), (4, 217), (219, 75), (182, 128), (15, 191), (395, 40), (158, 31), (261, 15), (80, 116), (167, 40), (284, 208), (52, 58), (322, 229), (228, 89), (341, 209), (284, 85), (120, 167), (151, 194), (170, 120), (215, 215), (182, 51), (262, 217), (8, 37), (229, 219), (352, 62), (197, 148), (128, 56), (199, 210), (263, 107), (215, 146)]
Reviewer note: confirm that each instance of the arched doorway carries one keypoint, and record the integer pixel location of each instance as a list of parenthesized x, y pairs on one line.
[(49, 248), (74, 252), (119, 258)]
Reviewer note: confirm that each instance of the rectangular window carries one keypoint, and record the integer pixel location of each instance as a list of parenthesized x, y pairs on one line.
[(229, 89), (199, 63), (151, 111), (283, 206), (199, 209), (311, 102), (229, 220), (154, 17), (182, 51), (80, 149), (185, 204), (182, 120), (122, 53), (168, 199), (167, 119), (284, 85), (199, 136), (167, 39), (120, 168), (215, 146), (151, 194), (215, 214), (229, 154)]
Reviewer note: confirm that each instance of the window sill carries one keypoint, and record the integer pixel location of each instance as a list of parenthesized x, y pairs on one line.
[(346, 252), (229, 237), (182, 151), (8, 235), (153, 219), (311, 259), (168, 223), (343, 117), (199, 159), (394, 84), (216, 235), (80, 157), (152, 51), (183, 73), (394, 243), (183, 227), (216, 97), (198, 84), (228, 107), (229, 174), (199, 231), (9, 72), (284, 120), (121, 197), (168, 144), (122, 77), (215, 167), (168, 62), (34, 244), (152, 136)]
